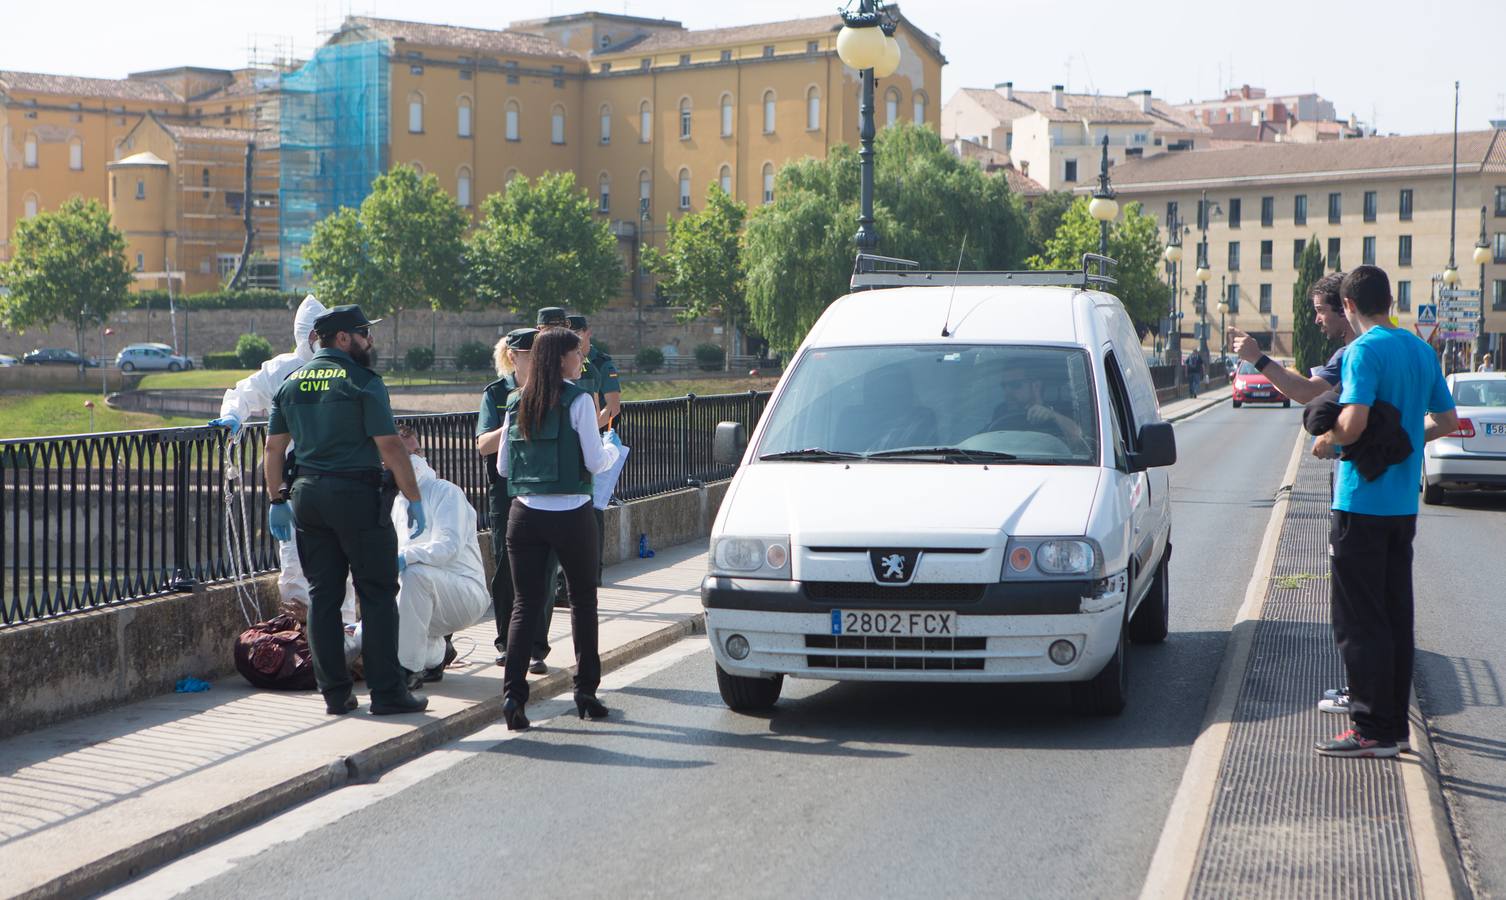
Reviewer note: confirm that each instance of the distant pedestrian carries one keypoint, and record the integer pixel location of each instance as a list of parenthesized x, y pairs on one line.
[(1486, 364), (1374, 520), (1194, 373)]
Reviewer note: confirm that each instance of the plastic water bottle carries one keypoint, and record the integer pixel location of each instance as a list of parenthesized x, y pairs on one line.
[(643, 550)]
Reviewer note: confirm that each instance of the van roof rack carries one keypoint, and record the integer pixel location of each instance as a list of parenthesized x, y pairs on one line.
[(896, 272)]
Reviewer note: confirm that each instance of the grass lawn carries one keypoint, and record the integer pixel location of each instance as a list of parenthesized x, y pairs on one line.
[(196, 378), (38, 415)]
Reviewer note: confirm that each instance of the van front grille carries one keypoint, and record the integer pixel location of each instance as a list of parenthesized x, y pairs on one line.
[(919, 653)]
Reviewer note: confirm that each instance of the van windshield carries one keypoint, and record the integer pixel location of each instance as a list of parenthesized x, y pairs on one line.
[(984, 403)]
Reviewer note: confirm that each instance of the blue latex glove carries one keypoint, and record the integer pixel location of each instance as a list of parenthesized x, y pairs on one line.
[(416, 521), (612, 438), (231, 422), (280, 521), (402, 563)]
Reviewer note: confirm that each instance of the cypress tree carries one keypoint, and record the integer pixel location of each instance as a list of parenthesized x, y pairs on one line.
[(1309, 346)]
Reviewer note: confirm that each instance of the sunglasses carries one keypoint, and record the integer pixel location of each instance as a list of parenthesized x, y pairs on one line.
[(363, 331)]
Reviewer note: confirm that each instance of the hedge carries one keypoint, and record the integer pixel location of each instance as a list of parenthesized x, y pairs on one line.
[(649, 359), (252, 350), (710, 357), (244, 299), (227, 359)]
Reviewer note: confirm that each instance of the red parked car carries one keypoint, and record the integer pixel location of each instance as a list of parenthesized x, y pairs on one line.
[(1252, 387)]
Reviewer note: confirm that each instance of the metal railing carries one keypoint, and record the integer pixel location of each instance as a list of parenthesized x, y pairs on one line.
[(93, 520)]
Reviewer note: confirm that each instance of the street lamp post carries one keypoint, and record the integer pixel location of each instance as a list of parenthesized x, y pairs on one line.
[(1204, 274), (1173, 257), (1223, 310), (866, 43), (1103, 206), (1481, 257)]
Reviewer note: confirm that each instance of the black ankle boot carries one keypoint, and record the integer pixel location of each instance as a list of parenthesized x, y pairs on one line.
[(587, 706)]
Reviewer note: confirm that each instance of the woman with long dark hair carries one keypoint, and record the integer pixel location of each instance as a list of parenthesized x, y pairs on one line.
[(550, 449)]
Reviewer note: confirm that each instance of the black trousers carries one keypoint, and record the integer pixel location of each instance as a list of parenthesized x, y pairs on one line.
[(1370, 564), (344, 527), (571, 534), (501, 586)]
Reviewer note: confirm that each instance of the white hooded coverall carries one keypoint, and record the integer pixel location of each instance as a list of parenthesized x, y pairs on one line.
[(443, 589)]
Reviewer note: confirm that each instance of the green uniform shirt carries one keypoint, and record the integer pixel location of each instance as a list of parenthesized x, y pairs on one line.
[(493, 409), (333, 407), (599, 377)]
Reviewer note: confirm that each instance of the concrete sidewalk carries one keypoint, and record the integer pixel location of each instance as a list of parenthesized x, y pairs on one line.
[(97, 800), (1187, 407)]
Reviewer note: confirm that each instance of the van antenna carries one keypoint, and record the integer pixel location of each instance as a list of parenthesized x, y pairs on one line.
[(955, 276)]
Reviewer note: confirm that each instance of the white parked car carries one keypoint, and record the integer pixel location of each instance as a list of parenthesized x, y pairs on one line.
[(7, 361), (151, 356), (1474, 457), (948, 485)]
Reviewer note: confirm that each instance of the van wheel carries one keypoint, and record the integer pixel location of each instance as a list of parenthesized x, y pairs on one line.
[(1152, 621), (748, 694), (1106, 693), (1432, 494), (127, 367)]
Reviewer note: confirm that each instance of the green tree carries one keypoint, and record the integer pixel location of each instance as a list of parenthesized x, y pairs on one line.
[(67, 266), (701, 264), (1309, 346), (1133, 241), (798, 250), (404, 248), (540, 243), (1043, 218)]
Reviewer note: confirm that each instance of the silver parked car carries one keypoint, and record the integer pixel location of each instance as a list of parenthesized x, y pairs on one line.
[(151, 356), (1474, 457)]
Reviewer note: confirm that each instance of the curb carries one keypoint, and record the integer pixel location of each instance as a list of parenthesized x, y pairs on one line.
[(1429, 816), (364, 765)]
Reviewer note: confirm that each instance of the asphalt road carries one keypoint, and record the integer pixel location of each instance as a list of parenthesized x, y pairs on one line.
[(847, 789), (1460, 579)]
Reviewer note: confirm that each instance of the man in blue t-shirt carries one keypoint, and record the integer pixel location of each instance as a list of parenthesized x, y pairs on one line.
[(1374, 521)]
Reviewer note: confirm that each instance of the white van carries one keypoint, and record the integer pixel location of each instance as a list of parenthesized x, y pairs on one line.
[(950, 483)]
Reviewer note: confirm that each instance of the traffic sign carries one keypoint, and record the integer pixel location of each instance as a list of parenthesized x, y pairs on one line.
[(1459, 292), (1427, 314), (1426, 331), (1460, 335)]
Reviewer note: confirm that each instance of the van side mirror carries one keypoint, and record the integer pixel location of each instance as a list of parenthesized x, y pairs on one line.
[(1158, 447), (728, 443)]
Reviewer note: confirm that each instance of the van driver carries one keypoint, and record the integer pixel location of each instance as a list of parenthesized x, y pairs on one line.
[(1022, 408)]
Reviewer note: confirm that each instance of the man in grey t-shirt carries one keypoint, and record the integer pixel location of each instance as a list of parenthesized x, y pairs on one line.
[(1328, 312)]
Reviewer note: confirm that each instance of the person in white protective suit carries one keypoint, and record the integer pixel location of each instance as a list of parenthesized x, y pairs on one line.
[(442, 585), (251, 398)]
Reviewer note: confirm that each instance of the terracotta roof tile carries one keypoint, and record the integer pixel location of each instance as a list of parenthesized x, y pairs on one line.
[(482, 40), (1095, 108), (75, 86), (207, 133)]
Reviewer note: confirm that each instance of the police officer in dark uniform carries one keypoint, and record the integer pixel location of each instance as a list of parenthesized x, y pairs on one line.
[(336, 412), (602, 381), (516, 344)]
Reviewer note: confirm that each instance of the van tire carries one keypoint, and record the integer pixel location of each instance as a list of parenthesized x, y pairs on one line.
[(748, 694), (1152, 621), (1106, 693)]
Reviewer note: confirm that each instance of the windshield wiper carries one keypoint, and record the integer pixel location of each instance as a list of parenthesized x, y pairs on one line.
[(812, 453), (949, 452)]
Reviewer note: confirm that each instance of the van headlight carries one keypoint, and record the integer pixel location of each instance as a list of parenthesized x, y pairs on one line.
[(746, 556), (1064, 557), (1030, 558)]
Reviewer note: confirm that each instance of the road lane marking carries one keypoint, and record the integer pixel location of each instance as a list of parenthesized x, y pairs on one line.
[(323, 811)]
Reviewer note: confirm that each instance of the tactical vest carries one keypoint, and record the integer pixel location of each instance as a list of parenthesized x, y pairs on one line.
[(548, 461), (506, 386)]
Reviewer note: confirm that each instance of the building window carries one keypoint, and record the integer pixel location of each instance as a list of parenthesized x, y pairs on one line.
[(1231, 296), (76, 155), (140, 189), (1404, 250), (685, 119), (1299, 209), (510, 121), (768, 51), (812, 47), (605, 41), (1235, 211), (768, 112), (1171, 214), (512, 72), (1069, 171), (891, 106), (463, 187), (141, 262), (1009, 145), (415, 114), (918, 108), (1333, 255), (645, 122), (1501, 201), (768, 182), (726, 56), (1404, 296), (1498, 294), (557, 125), (1265, 299), (30, 152), (1267, 212), (31, 206), (203, 182), (1369, 206), (684, 59), (646, 63), (726, 115), (604, 193), (812, 109), (1367, 251), (1202, 215), (1404, 205), (1267, 252), (1234, 256), (645, 191), (606, 125), (1335, 208), (685, 189), (725, 180), (463, 118), (1299, 245), (1498, 253)]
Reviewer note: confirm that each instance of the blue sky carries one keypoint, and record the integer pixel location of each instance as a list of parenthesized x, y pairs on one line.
[(1387, 61)]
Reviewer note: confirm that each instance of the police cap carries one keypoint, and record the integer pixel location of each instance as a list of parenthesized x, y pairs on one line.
[(576, 323), (342, 318), (521, 338), (551, 315)]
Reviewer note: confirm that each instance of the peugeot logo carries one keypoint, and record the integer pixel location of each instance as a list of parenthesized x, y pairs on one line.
[(893, 566)]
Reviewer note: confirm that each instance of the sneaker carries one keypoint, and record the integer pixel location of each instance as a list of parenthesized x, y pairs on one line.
[(538, 667), (1352, 743), (1339, 704), (1403, 745), (1336, 693)]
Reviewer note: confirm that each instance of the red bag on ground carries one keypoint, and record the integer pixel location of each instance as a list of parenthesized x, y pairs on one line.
[(275, 655)]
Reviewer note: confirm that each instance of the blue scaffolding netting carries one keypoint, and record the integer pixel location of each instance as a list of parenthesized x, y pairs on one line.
[(333, 129)]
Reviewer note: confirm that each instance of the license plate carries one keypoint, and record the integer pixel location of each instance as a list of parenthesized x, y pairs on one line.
[(1494, 428), (893, 623)]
